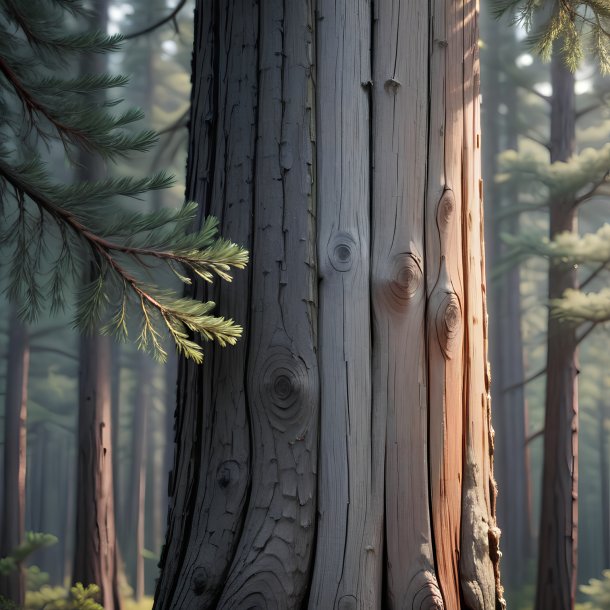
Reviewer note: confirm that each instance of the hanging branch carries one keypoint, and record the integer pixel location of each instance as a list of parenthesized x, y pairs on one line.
[(151, 28)]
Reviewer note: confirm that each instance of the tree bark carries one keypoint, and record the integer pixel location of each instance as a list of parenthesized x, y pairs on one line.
[(339, 142), (95, 544), (602, 412), (95, 553), (12, 586), (557, 550)]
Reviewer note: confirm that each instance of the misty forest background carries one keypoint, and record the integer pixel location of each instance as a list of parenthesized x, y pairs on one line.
[(516, 95)]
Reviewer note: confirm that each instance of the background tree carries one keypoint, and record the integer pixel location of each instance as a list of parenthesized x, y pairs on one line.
[(560, 37), (503, 107), (67, 220)]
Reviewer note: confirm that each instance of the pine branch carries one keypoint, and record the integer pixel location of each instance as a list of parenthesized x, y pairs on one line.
[(151, 28)]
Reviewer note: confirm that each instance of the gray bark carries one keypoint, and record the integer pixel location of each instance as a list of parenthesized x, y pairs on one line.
[(364, 301)]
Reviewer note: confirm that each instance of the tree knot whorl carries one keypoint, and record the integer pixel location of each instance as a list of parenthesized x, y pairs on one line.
[(347, 602), (423, 593), (446, 209), (227, 473), (342, 251), (404, 280), (448, 317), (199, 580), (284, 384)]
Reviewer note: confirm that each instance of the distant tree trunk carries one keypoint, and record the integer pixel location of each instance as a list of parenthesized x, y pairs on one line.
[(115, 398), (12, 586), (137, 480), (95, 553), (602, 420), (357, 189), (508, 395), (69, 519), (557, 551), (95, 545)]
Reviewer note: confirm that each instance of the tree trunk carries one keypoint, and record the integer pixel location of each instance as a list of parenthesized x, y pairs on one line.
[(95, 554), (12, 586), (508, 393), (356, 186), (137, 481), (603, 478), (95, 545), (115, 398), (557, 551)]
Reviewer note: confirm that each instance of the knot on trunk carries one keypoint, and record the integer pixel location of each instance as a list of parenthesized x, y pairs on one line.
[(423, 593), (342, 251)]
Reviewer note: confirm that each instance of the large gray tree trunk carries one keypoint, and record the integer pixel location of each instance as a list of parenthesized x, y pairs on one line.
[(339, 456)]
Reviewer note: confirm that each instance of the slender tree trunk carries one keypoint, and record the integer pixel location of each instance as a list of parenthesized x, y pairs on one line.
[(137, 481), (508, 396), (95, 545), (115, 398), (12, 586), (557, 551), (69, 535), (602, 420), (339, 142), (95, 553)]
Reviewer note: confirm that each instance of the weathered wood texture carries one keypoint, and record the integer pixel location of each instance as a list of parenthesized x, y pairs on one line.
[(354, 129), (557, 538), (210, 479), (400, 148), (12, 586), (349, 552), (95, 549), (445, 209)]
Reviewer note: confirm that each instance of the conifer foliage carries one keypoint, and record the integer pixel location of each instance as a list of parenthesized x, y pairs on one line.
[(580, 25), (48, 229)]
